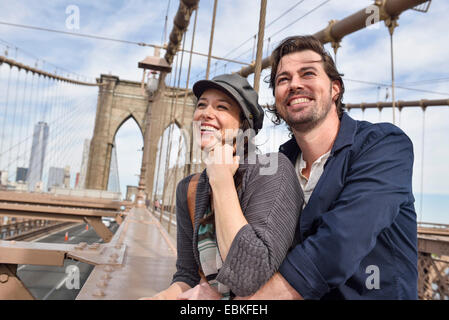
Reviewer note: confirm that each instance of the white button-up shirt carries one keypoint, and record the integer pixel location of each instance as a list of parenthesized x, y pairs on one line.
[(308, 185)]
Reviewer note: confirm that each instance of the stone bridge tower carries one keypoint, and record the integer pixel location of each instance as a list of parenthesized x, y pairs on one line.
[(119, 100)]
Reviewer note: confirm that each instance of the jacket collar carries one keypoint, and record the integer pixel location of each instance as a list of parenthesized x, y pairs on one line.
[(345, 137)]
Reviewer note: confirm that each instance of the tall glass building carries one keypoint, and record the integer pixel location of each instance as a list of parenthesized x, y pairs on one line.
[(37, 157)]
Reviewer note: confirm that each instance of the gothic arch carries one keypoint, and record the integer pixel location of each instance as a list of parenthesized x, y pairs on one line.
[(119, 100)]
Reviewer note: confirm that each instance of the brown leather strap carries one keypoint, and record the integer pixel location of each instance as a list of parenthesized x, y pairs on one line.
[(191, 195)]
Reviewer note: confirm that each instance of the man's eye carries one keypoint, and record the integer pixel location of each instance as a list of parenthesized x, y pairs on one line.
[(280, 80), (222, 107), (309, 73)]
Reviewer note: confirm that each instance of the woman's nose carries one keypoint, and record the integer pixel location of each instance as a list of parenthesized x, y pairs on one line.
[(208, 112)]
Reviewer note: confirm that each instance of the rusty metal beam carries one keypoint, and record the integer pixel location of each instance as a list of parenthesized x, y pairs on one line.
[(62, 200), (423, 103), (53, 254), (337, 30), (433, 231), (100, 228), (11, 287), (21, 252), (433, 244), (51, 213)]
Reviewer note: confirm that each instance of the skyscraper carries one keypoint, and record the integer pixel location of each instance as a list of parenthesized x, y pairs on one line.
[(114, 181), (37, 157), (82, 178), (55, 177)]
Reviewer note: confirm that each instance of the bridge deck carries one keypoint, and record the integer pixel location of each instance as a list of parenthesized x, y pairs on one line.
[(148, 263)]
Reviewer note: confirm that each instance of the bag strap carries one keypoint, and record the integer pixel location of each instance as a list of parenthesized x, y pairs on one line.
[(191, 197)]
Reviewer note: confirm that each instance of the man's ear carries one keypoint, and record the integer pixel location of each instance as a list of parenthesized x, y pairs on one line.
[(335, 90)]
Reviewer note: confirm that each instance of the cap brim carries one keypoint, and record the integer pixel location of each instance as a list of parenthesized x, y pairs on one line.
[(203, 85)]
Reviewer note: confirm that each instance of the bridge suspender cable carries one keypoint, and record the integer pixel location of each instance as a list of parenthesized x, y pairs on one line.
[(169, 141), (260, 36), (357, 21), (5, 117), (169, 175), (182, 122), (20, 66), (422, 163), (211, 41)]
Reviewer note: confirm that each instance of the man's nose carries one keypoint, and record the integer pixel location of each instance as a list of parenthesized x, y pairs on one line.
[(296, 83)]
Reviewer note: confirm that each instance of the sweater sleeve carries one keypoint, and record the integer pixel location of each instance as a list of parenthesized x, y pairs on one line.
[(273, 208), (186, 266)]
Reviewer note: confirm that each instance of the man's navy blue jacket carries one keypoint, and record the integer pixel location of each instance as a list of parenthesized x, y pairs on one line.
[(359, 225)]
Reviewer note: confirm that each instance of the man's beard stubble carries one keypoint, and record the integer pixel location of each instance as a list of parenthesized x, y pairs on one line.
[(311, 120)]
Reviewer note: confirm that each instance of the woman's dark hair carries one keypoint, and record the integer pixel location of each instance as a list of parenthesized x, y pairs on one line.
[(302, 43)]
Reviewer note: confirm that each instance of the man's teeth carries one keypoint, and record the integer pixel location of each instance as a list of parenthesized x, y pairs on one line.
[(208, 128), (300, 100)]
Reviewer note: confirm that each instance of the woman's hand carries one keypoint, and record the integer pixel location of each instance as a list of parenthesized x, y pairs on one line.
[(203, 291), (221, 164)]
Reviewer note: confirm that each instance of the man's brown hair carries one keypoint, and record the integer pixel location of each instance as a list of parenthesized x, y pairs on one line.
[(302, 43)]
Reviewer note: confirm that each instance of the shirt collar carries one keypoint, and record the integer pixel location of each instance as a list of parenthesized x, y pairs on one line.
[(346, 134), (345, 137)]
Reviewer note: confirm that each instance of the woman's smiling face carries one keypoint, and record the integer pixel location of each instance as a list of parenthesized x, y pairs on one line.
[(218, 114)]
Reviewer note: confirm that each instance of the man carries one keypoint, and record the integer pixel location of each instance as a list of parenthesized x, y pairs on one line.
[(357, 235)]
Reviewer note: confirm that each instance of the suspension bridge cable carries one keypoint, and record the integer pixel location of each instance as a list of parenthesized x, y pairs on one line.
[(44, 61), (164, 33), (285, 12), (172, 124), (75, 114), (422, 165), (301, 17), (83, 35), (160, 130), (266, 27), (29, 116), (400, 87), (5, 116), (182, 121), (251, 38), (164, 173), (13, 122), (22, 115)]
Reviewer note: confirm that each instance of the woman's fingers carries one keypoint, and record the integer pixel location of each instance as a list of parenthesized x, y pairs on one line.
[(202, 291)]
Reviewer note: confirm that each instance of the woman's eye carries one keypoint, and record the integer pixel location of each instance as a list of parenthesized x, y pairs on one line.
[(200, 105), (222, 107)]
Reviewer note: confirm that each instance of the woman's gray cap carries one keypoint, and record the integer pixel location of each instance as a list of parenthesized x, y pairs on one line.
[(237, 87)]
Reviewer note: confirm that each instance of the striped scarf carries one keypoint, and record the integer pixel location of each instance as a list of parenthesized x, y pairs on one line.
[(210, 258)]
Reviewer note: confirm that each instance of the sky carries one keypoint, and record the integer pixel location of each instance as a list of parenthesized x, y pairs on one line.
[(420, 42)]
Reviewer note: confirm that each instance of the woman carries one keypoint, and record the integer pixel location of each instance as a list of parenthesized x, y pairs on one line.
[(243, 222)]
